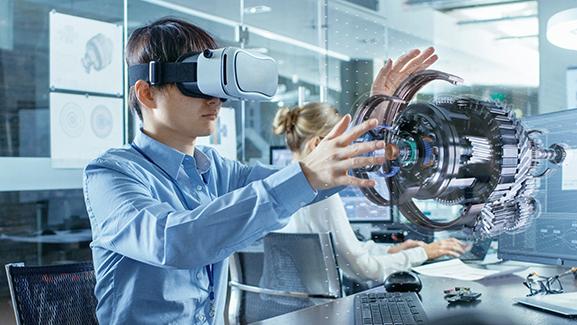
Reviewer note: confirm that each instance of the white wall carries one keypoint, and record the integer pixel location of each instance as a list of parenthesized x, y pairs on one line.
[(554, 60)]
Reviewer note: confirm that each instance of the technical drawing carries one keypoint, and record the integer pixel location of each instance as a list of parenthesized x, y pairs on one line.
[(98, 53), (72, 120), (101, 121)]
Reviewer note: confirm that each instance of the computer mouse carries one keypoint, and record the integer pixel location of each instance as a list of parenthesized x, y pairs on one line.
[(403, 281)]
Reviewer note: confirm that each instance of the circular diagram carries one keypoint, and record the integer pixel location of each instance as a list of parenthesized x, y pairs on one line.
[(101, 121), (72, 120)]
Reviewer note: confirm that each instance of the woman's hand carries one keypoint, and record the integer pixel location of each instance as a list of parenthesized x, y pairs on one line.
[(328, 164), (406, 245), (393, 73), (451, 246)]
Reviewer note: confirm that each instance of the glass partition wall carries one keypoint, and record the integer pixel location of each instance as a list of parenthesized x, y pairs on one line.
[(327, 50)]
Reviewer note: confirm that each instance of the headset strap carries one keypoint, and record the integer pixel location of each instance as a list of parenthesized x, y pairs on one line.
[(157, 73)]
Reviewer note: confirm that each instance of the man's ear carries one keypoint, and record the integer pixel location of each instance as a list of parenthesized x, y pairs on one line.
[(145, 94)]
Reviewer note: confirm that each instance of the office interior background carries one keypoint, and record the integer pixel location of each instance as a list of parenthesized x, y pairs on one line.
[(327, 50)]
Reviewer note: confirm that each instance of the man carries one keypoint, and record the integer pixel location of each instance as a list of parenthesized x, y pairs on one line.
[(165, 214)]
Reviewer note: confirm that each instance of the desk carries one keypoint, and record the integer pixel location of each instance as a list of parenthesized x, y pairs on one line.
[(496, 296), (59, 237)]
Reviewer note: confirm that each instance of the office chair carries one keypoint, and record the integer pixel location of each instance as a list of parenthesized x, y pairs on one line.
[(56, 294), (298, 271)]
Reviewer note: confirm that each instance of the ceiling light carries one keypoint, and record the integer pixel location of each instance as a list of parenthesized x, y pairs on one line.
[(562, 29), (261, 9)]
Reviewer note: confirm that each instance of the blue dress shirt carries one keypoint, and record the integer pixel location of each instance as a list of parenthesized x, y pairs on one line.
[(150, 248)]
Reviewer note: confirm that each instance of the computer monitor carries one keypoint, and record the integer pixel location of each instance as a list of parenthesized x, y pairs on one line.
[(552, 238), (360, 209), (280, 156)]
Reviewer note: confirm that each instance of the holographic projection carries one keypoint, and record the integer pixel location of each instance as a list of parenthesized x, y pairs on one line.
[(458, 151)]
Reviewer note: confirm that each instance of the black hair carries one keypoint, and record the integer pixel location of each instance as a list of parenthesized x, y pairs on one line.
[(164, 40)]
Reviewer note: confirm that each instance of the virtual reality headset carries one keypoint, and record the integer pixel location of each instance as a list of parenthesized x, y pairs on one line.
[(225, 73)]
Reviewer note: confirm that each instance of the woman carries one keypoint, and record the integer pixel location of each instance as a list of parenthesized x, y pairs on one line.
[(304, 128)]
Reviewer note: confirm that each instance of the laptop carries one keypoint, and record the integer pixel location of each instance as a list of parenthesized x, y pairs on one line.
[(561, 303)]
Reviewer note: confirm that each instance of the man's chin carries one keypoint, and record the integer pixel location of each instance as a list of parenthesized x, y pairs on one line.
[(206, 133)]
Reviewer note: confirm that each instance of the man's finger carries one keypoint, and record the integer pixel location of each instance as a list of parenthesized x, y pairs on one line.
[(411, 62), (381, 79), (340, 127), (428, 62), (357, 149), (416, 64), (354, 181), (402, 61), (358, 162), (351, 135)]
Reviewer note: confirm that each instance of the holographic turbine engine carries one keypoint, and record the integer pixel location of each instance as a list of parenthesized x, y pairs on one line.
[(458, 151)]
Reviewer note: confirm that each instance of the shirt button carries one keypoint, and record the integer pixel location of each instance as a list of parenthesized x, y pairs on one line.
[(201, 317), (199, 187), (199, 275)]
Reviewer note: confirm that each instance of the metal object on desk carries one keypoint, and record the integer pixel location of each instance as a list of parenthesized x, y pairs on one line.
[(461, 295), (538, 284)]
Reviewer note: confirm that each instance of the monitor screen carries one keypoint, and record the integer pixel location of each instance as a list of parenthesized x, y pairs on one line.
[(360, 209), (552, 238), (280, 156)]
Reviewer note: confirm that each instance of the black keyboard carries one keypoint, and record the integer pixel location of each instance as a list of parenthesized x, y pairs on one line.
[(389, 308)]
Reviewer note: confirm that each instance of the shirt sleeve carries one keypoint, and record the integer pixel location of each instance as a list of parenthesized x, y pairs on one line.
[(129, 220), (357, 259), (247, 174)]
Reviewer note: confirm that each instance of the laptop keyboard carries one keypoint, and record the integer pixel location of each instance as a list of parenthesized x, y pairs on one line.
[(389, 308)]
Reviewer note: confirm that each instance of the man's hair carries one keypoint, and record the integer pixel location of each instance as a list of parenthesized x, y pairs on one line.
[(165, 40)]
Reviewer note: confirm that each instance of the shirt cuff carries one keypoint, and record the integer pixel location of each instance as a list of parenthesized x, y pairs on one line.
[(291, 188), (416, 255)]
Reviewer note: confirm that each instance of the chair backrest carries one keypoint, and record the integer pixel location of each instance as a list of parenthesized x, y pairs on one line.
[(291, 262), (56, 294), (245, 268), (301, 262)]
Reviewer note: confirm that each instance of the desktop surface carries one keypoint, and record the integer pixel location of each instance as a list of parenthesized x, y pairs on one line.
[(497, 296)]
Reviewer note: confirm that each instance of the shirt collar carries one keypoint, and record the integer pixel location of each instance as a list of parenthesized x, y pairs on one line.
[(168, 158), (202, 161)]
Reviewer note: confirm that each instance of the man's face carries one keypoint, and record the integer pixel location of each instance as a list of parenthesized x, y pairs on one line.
[(188, 116)]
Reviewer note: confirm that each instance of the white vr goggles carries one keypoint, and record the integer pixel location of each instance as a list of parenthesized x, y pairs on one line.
[(225, 73)]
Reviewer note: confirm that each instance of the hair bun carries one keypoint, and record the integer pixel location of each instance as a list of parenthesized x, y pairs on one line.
[(285, 120)]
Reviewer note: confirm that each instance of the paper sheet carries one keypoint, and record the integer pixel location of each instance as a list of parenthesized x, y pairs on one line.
[(85, 54), (82, 127), (456, 269)]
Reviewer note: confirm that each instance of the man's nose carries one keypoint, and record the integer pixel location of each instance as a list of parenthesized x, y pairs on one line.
[(213, 101)]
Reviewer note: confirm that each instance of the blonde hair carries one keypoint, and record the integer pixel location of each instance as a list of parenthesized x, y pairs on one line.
[(300, 124)]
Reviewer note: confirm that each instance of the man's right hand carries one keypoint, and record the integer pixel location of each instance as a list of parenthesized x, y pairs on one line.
[(451, 246), (328, 164)]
